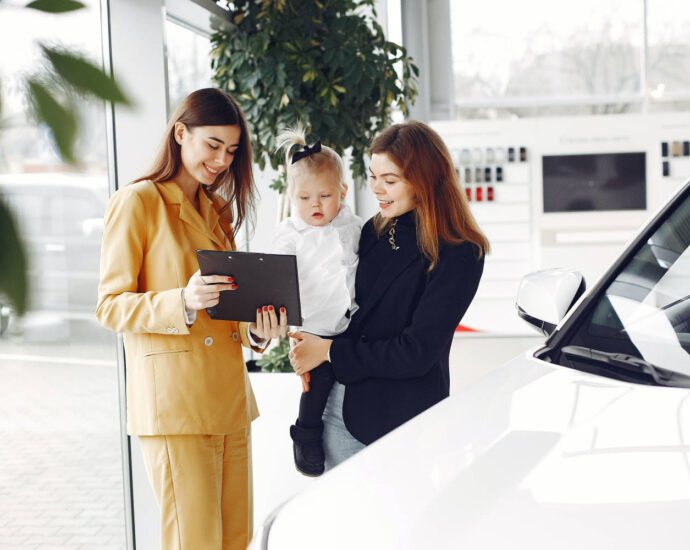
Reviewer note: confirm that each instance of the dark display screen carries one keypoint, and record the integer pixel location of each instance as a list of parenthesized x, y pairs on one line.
[(607, 181)]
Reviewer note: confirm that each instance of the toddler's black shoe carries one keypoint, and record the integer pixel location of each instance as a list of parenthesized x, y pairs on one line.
[(307, 449)]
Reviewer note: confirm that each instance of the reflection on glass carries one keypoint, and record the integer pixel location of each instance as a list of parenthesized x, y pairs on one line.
[(645, 312), (60, 461)]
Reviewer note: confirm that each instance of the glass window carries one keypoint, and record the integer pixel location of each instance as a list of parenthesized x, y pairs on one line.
[(668, 49), (27, 208), (60, 458), (540, 48), (541, 58), (189, 63), (70, 214)]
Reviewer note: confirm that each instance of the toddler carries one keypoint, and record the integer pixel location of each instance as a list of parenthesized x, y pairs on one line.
[(323, 233)]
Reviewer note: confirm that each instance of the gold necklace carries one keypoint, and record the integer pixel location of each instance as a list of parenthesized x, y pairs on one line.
[(391, 233)]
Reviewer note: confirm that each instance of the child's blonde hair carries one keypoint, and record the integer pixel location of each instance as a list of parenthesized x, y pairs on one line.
[(326, 159)]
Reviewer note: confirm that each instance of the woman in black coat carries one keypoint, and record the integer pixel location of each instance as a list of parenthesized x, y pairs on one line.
[(420, 261)]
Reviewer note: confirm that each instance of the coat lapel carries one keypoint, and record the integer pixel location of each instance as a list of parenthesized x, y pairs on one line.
[(401, 260), (206, 222), (210, 215)]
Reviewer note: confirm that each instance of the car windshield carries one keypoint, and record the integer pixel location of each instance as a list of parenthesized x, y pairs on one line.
[(645, 311)]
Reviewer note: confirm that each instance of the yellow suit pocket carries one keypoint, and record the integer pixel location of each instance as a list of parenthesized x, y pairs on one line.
[(163, 343)]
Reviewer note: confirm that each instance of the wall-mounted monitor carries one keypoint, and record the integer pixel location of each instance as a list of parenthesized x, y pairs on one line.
[(592, 182)]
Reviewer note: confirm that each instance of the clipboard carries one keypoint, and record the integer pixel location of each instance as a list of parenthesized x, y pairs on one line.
[(262, 279)]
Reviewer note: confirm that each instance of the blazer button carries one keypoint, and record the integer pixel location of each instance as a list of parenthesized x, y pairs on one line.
[(208, 341), (235, 336)]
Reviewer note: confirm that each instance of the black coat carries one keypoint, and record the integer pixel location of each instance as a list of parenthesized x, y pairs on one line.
[(393, 358)]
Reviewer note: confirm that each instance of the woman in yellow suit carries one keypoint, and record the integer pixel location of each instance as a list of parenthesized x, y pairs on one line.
[(188, 394)]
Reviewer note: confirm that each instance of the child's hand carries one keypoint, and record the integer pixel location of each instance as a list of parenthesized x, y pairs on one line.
[(306, 377)]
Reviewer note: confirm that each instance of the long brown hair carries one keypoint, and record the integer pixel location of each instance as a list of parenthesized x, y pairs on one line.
[(211, 107), (442, 212)]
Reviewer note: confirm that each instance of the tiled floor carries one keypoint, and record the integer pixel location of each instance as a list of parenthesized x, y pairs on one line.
[(60, 462)]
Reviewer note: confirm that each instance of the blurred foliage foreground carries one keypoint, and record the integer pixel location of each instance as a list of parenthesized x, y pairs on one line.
[(65, 73)]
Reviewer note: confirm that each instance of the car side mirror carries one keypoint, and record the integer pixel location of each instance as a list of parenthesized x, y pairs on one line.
[(544, 297)]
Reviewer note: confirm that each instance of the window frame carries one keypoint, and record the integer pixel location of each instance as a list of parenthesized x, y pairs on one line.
[(644, 99)]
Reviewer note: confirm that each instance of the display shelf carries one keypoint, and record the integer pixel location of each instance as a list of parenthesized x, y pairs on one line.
[(523, 237)]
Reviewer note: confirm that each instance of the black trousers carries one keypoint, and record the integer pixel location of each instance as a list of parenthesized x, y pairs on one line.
[(313, 402)]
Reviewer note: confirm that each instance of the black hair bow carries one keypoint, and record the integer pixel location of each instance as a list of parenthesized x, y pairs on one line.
[(307, 151)]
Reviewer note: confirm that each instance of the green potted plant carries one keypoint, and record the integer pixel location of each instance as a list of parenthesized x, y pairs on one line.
[(324, 64), (276, 359)]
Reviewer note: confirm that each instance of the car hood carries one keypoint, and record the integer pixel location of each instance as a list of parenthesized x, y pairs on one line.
[(533, 455)]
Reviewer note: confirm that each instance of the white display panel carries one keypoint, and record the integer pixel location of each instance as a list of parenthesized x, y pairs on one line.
[(511, 212)]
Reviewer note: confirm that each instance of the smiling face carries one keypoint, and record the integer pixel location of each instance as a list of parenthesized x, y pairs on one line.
[(206, 151), (392, 190), (317, 197)]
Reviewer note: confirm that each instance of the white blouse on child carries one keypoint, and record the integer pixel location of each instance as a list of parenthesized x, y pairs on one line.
[(326, 264)]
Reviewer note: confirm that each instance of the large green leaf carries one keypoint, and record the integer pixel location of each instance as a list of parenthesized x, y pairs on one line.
[(84, 76), (61, 121), (13, 283), (55, 6)]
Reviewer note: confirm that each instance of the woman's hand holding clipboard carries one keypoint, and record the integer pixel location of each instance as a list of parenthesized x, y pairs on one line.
[(204, 292), (267, 325)]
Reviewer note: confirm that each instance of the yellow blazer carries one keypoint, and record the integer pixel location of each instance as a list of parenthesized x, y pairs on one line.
[(180, 379)]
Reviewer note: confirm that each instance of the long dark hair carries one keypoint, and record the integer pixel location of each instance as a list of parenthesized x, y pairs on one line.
[(212, 107), (442, 213)]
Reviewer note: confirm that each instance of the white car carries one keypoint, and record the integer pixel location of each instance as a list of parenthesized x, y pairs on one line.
[(60, 219), (581, 443)]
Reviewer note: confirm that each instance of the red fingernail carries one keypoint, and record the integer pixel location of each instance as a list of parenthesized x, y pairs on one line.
[(231, 280), (233, 287), (258, 310), (270, 308), (282, 310), (265, 308)]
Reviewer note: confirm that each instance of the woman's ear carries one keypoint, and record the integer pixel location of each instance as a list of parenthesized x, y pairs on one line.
[(179, 132)]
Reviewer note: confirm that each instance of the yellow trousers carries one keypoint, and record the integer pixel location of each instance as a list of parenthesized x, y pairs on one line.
[(203, 485)]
